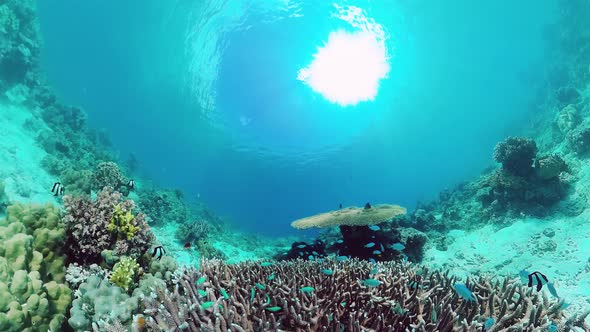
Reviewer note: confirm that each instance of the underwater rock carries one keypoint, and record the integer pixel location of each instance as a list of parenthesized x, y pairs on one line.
[(549, 167), (485, 195), (164, 206), (191, 231), (516, 155), (567, 119), (574, 205), (415, 242), (549, 232), (567, 95), (423, 220), (579, 140), (547, 246)]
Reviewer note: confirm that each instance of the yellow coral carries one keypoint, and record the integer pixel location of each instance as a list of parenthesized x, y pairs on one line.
[(122, 223), (124, 273)]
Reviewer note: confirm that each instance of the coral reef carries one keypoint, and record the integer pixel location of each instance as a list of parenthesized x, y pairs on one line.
[(193, 231), (97, 303), (87, 225), (549, 167), (567, 119), (164, 206), (122, 224), (124, 273), (33, 293), (163, 268), (516, 155), (77, 274), (108, 174), (19, 50), (579, 139), (352, 295), (207, 250), (3, 198)]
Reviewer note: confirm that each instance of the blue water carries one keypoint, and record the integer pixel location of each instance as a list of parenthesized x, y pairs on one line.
[(206, 96)]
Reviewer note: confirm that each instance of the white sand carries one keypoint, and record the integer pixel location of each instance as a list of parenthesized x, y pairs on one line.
[(20, 158)]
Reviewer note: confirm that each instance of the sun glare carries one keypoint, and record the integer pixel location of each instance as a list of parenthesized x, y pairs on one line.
[(348, 68)]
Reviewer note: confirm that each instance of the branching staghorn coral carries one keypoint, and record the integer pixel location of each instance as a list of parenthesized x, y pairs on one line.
[(328, 296)]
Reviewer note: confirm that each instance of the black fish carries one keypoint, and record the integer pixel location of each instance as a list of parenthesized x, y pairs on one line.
[(538, 276), (131, 184), (58, 189), (367, 206), (159, 251), (340, 206)]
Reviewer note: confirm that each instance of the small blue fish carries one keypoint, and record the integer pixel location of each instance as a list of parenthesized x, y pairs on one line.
[(552, 290), (340, 241), (372, 260), (374, 228), (307, 289), (374, 270), (341, 258), (201, 292), (370, 245), (371, 282), (488, 323), (300, 253), (328, 272), (414, 284), (201, 280), (552, 327), (311, 257), (301, 246), (207, 305), (270, 277), (464, 292), (381, 246), (265, 264), (260, 286), (398, 246), (224, 293), (315, 253), (376, 252), (252, 292)]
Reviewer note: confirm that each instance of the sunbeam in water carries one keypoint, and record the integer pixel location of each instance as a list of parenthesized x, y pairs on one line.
[(348, 68)]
